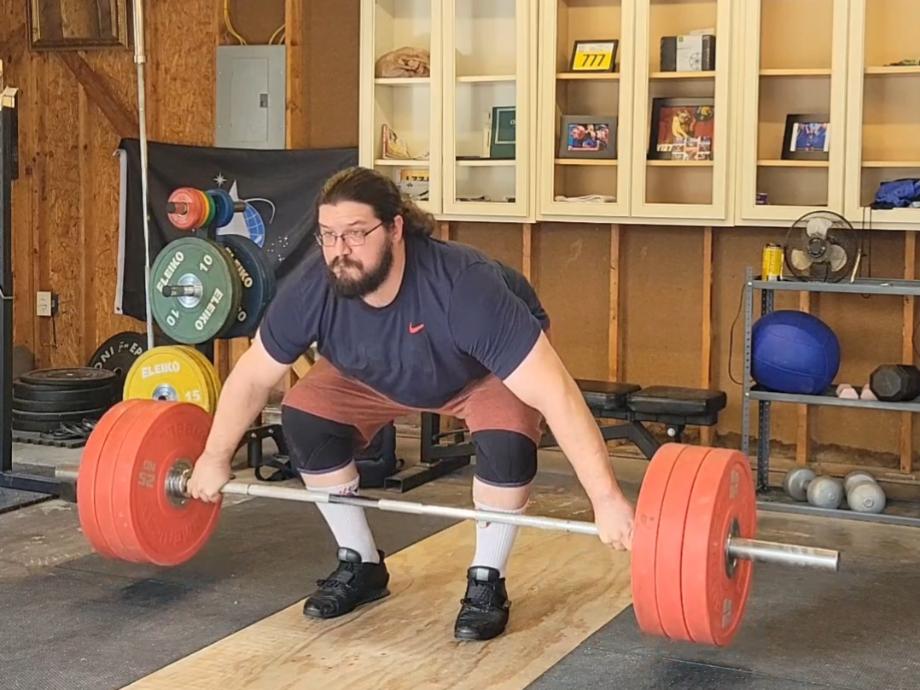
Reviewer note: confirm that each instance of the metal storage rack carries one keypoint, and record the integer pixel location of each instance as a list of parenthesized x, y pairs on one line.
[(765, 399)]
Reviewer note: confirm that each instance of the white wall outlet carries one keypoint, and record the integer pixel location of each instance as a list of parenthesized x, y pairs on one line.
[(43, 303)]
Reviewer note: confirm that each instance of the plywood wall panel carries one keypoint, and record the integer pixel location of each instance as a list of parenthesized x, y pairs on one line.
[(256, 22), (502, 241), (59, 217), (331, 28), (661, 288), (101, 233), (182, 72), (572, 275)]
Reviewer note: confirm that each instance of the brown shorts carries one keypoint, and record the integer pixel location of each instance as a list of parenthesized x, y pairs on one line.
[(487, 406)]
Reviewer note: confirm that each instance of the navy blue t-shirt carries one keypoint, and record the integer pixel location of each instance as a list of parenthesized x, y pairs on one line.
[(458, 316)]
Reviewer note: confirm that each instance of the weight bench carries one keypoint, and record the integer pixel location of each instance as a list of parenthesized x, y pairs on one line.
[(673, 406)]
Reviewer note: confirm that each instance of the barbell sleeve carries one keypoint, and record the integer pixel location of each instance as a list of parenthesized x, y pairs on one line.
[(182, 207), (181, 291), (736, 547), (783, 554)]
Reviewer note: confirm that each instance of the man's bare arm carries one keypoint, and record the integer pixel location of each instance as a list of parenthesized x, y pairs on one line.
[(242, 398), (542, 382)]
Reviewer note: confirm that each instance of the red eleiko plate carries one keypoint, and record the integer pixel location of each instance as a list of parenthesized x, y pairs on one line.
[(90, 466), (166, 530), (646, 534), (669, 549), (715, 598), (109, 506)]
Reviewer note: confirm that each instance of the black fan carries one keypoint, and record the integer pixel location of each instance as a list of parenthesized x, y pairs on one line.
[(822, 245)]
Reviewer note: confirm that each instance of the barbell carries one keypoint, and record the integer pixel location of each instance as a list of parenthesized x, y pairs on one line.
[(693, 543)]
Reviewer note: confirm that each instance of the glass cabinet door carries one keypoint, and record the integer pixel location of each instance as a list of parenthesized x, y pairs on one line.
[(682, 109), (586, 81), (883, 152), (400, 94), (792, 123), (489, 48)]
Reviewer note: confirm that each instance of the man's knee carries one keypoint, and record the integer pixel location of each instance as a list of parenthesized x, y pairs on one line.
[(505, 458), (316, 445)]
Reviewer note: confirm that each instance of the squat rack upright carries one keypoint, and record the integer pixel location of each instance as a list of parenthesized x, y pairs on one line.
[(9, 171)]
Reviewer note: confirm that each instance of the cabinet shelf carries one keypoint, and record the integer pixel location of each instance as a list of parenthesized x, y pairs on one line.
[(833, 401), (683, 75), (893, 70), (487, 163), (797, 72), (403, 162), (767, 163), (485, 78), (588, 76), (587, 161), (679, 164), (891, 164), (861, 286), (402, 81)]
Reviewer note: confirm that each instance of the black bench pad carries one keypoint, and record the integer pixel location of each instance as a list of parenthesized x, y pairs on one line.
[(671, 405), (676, 401), (606, 395)]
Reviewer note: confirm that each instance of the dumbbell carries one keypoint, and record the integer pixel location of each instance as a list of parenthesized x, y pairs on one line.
[(895, 382), (864, 495), (796, 482), (823, 492)]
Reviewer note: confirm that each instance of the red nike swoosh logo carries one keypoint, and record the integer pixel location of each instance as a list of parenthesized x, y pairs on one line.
[(416, 329)]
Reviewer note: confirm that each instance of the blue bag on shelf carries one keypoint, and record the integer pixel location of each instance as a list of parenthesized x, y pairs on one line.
[(897, 193)]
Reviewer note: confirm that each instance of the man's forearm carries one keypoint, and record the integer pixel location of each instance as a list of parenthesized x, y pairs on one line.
[(578, 436), (240, 402)]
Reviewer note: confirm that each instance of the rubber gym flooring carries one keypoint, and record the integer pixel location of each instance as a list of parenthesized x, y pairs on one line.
[(231, 618)]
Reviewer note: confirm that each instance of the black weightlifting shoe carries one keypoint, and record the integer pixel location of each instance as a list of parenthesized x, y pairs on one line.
[(351, 584), (484, 610)]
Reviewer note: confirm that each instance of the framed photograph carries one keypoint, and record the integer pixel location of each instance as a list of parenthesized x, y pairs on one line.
[(67, 25), (504, 132), (594, 56), (682, 129), (807, 137), (588, 136)]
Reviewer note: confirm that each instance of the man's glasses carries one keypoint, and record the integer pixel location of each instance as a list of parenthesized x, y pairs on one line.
[(353, 238)]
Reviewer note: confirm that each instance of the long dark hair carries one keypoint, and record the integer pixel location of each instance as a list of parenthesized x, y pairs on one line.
[(381, 194)]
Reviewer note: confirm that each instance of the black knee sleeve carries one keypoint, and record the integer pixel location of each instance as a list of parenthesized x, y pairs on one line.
[(316, 445), (505, 458)]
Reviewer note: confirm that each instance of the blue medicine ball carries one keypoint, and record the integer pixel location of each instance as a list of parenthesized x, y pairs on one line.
[(794, 352)]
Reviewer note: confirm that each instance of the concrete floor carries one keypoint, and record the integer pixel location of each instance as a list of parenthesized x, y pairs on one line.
[(803, 629)]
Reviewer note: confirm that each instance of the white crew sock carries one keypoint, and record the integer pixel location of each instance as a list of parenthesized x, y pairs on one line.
[(494, 540), (348, 523)]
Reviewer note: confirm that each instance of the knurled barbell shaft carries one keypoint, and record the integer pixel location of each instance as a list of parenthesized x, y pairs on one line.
[(737, 547)]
